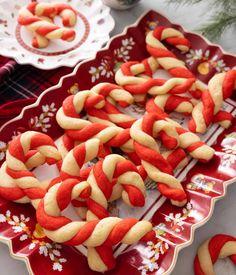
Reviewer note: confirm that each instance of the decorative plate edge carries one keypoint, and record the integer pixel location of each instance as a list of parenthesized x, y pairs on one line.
[(195, 226), (179, 247), (24, 259)]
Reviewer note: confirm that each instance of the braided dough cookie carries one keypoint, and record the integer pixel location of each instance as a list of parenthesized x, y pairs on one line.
[(220, 87), (187, 140), (108, 231), (80, 130), (8, 187), (219, 246), (125, 174), (137, 78), (37, 18), (167, 59), (101, 178), (50, 10), (156, 166), (16, 170)]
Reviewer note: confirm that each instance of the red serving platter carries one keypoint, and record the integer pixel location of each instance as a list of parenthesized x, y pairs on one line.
[(174, 226)]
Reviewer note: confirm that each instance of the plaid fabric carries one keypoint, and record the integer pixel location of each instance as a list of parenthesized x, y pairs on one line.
[(24, 83)]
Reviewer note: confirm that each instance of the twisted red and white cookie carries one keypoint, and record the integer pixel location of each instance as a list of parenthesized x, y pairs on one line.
[(156, 166), (18, 177), (219, 246), (137, 78), (220, 87), (80, 130), (187, 140), (107, 232), (111, 178), (168, 59), (37, 18)]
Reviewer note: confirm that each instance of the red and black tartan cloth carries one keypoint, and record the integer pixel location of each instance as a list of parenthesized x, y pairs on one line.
[(23, 83)]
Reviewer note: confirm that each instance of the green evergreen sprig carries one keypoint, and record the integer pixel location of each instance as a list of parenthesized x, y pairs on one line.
[(224, 17)]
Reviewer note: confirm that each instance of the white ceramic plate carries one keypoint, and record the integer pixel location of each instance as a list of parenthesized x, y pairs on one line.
[(94, 23)]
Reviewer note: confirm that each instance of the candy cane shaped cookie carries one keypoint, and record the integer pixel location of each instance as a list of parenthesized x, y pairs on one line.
[(108, 231), (187, 140), (125, 174), (16, 158), (128, 76), (167, 59), (80, 130), (220, 87), (9, 189), (156, 166), (219, 246), (46, 12), (42, 27)]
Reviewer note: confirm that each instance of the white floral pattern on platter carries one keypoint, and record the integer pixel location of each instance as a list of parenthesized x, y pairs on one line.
[(153, 251), (176, 221), (109, 66), (42, 122), (51, 250), (206, 62), (229, 156)]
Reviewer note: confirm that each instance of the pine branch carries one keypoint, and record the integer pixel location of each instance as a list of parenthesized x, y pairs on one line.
[(217, 24), (226, 5), (225, 16)]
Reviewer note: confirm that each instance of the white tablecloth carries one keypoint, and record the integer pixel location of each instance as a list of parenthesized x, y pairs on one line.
[(223, 218)]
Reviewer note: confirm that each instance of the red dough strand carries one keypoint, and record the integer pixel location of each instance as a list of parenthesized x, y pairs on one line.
[(219, 246)]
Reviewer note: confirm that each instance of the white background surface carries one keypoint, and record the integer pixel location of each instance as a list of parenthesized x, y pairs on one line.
[(223, 219)]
